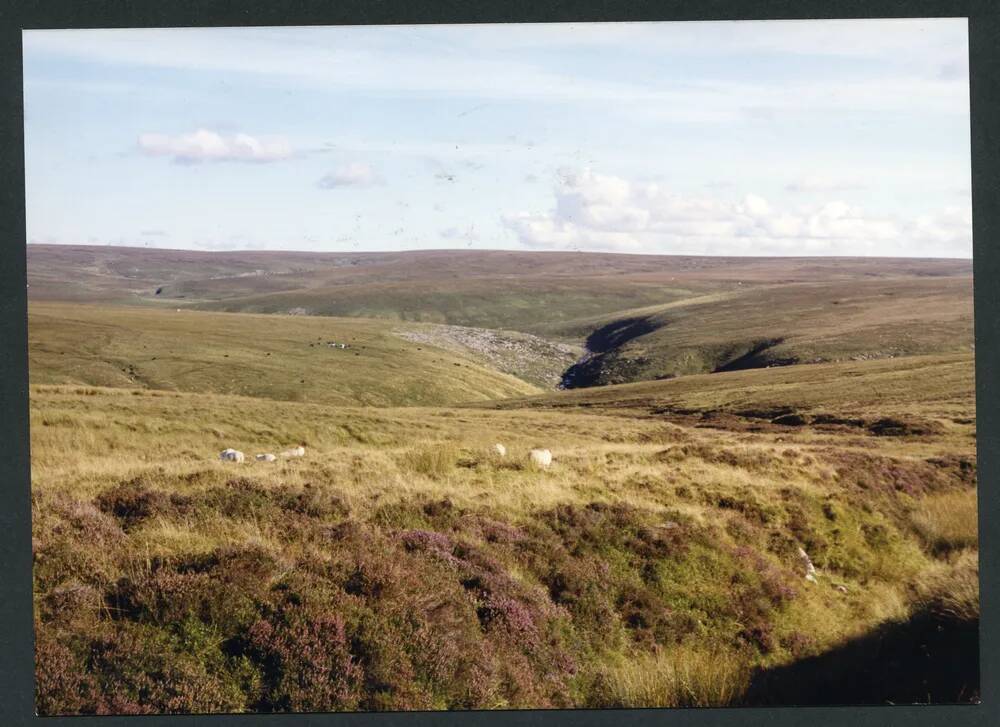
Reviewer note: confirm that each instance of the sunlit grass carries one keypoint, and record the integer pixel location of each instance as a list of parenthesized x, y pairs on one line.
[(948, 521), (674, 677)]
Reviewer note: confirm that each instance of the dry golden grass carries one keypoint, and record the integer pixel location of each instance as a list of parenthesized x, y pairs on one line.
[(433, 461), (678, 677), (952, 588), (948, 521)]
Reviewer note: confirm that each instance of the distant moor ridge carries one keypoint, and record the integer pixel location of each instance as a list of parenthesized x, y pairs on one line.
[(568, 319)]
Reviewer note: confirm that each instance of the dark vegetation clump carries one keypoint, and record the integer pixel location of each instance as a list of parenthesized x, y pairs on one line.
[(880, 474), (134, 501), (959, 467), (221, 588), (790, 420), (62, 683), (648, 620), (747, 504), (76, 544), (750, 459), (903, 427), (305, 661), (314, 502), (835, 420)]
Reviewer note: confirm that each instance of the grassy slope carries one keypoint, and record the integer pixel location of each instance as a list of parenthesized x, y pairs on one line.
[(801, 322), (488, 303), (280, 357), (401, 565), (648, 317), (942, 384)]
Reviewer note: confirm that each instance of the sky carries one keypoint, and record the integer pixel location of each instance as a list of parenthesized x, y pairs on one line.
[(708, 138)]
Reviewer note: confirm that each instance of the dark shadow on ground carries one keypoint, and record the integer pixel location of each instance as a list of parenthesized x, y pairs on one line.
[(928, 660), (601, 344), (756, 358)]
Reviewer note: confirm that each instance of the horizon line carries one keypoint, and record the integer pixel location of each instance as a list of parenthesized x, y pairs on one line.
[(253, 251)]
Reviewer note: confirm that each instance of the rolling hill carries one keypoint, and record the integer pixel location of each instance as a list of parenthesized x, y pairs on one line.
[(275, 357), (874, 388), (780, 325), (638, 317)]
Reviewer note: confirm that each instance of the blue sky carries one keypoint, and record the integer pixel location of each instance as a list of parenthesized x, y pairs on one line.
[(720, 138)]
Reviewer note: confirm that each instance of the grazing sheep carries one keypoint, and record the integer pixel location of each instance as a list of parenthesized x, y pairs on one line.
[(268, 457), (294, 452), (231, 455), (499, 450), (541, 457)]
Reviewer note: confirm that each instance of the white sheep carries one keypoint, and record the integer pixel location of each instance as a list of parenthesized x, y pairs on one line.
[(294, 452), (541, 457), (231, 455), (499, 450), (267, 457)]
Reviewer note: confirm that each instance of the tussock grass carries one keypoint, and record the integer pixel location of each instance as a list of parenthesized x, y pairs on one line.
[(167, 538), (435, 460), (948, 521), (952, 589), (678, 677)]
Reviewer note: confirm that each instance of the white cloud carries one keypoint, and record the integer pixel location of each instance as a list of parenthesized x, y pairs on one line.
[(952, 226), (354, 174), (601, 212), (824, 184), (204, 145), (241, 241), (468, 235)]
